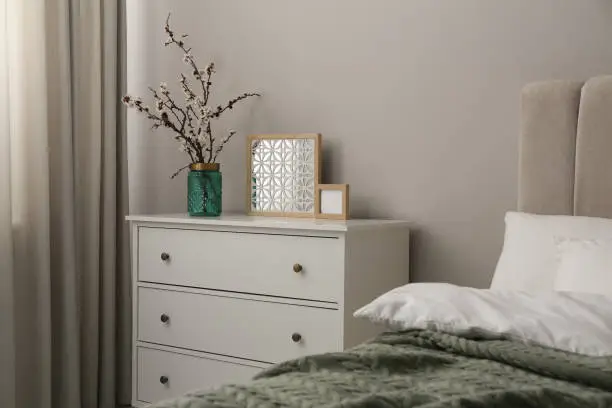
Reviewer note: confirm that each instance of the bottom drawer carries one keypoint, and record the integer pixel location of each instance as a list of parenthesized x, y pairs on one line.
[(163, 375)]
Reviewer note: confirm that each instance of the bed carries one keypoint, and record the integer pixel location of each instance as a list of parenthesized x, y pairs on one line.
[(492, 348)]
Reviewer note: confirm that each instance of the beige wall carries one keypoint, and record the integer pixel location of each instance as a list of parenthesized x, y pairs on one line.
[(417, 102)]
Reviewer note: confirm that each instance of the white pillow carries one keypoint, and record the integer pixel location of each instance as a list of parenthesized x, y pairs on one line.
[(585, 266), (576, 322), (528, 259)]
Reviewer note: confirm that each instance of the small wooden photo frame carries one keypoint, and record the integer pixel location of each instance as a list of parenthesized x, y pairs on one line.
[(332, 201)]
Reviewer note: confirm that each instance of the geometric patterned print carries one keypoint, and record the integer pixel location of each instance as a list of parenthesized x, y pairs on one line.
[(283, 175), (423, 369)]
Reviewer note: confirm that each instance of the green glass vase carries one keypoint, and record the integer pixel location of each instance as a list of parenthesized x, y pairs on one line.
[(204, 190)]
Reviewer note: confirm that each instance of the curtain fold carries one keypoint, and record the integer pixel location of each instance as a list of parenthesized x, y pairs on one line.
[(63, 197), (7, 340)]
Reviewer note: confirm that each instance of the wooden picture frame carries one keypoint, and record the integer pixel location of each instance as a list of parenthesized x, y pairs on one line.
[(317, 138), (340, 213)]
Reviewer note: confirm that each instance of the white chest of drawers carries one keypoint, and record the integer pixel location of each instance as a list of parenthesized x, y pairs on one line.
[(217, 300)]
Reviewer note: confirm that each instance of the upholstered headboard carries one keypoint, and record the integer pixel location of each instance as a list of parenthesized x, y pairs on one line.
[(566, 148)]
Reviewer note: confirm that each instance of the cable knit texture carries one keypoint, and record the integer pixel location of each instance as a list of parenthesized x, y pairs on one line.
[(423, 369)]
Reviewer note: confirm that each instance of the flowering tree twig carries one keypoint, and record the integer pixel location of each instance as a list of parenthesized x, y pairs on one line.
[(191, 122), (230, 105)]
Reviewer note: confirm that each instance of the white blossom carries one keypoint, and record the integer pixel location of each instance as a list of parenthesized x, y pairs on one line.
[(203, 122), (205, 112), (128, 101), (199, 101)]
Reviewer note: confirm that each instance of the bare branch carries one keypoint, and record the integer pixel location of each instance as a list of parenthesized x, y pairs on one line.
[(230, 105), (211, 141), (179, 171), (220, 147)]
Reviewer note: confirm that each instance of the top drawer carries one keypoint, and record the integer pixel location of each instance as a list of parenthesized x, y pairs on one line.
[(243, 262)]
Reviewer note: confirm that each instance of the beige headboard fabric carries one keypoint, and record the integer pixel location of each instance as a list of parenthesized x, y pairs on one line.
[(566, 148)]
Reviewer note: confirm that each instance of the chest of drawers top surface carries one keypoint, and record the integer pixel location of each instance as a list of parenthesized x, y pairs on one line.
[(263, 223)]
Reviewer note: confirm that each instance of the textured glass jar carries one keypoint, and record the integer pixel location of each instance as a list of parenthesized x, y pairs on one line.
[(204, 190)]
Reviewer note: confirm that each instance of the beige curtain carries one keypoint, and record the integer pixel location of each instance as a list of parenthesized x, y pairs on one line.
[(64, 283)]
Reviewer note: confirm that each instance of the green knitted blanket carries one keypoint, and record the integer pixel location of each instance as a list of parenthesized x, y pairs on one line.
[(423, 369)]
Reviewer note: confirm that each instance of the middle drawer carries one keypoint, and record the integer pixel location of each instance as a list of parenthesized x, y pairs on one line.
[(257, 330)]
